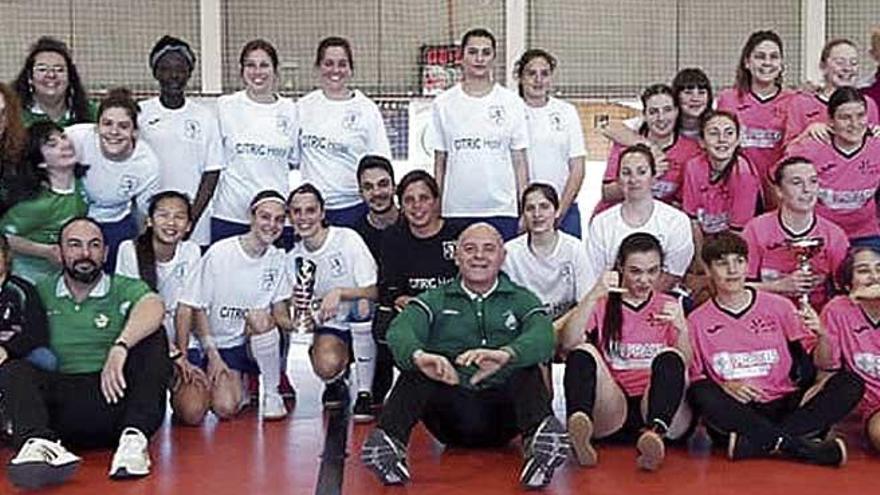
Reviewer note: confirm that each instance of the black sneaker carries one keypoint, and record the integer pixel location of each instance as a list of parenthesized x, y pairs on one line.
[(740, 447), (545, 451), (386, 458), (335, 395), (831, 452), (363, 408)]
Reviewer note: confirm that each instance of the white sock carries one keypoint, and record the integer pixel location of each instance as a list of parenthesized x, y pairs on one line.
[(364, 349), (267, 353)]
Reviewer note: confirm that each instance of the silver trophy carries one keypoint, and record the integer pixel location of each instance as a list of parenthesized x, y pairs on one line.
[(804, 250), (304, 296)]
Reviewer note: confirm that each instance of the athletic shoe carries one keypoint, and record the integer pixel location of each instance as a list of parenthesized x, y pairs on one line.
[(273, 407), (546, 450), (335, 394), (820, 452), (363, 408), (285, 389), (386, 458), (580, 429), (651, 450), (131, 459), (739, 447), (40, 463)]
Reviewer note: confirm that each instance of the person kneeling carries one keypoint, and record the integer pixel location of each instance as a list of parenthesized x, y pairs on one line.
[(113, 369), (496, 333), (635, 380)]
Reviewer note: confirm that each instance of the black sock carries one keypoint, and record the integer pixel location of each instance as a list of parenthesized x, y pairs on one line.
[(580, 383)]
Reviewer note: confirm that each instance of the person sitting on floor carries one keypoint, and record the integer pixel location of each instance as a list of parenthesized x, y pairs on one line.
[(113, 369), (496, 333)]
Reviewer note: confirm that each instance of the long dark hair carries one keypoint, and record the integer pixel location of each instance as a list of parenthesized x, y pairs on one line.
[(143, 245), (527, 57), (77, 97), (612, 324), (652, 91), (743, 80)]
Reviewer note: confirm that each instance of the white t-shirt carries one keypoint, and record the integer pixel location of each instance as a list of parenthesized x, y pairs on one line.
[(555, 136), (670, 226), (559, 280), (111, 185), (478, 135), (335, 135), (259, 149), (342, 261), (228, 282), (172, 276), (187, 142)]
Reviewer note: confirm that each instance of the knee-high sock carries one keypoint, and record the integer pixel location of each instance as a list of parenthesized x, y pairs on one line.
[(580, 383), (364, 350), (267, 353)]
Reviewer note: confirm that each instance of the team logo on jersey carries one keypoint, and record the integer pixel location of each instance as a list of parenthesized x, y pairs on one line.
[(510, 321), (124, 307), (566, 272), (556, 122), (351, 119), (714, 329), (759, 325), (269, 279), (283, 124), (497, 114), (192, 129), (866, 167), (448, 250), (337, 266), (179, 271), (101, 321), (127, 184)]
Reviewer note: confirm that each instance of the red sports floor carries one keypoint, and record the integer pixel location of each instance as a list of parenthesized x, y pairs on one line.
[(247, 456)]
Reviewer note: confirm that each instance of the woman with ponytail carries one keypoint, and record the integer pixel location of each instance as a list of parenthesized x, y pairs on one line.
[(628, 350)]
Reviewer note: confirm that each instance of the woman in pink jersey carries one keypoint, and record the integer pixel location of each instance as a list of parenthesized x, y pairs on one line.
[(807, 116), (751, 368), (625, 375), (848, 166), (848, 333), (760, 103), (661, 114), (773, 265)]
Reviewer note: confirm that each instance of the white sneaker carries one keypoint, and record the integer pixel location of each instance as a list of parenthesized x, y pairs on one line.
[(273, 407), (131, 459), (40, 463)]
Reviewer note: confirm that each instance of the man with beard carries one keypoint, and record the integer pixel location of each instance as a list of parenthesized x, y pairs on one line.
[(113, 369)]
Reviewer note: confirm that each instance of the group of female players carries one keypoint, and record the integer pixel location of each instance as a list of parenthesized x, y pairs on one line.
[(203, 205)]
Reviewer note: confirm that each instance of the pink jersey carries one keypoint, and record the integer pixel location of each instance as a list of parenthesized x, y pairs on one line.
[(751, 347), (855, 342), (721, 204), (641, 339), (667, 187), (770, 259), (847, 183), (762, 124), (808, 108)]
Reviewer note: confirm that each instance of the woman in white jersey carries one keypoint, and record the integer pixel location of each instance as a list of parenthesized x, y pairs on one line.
[(344, 279), (183, 133), (339, 127), (162, 259), (259, 130), (122, 170), (239, 285), (556, 138), (480, 141)]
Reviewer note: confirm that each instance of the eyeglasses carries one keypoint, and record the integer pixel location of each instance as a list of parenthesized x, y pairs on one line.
[(45, 69)]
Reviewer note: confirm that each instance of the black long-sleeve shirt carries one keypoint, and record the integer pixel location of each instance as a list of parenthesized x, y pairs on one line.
[(23, 322)]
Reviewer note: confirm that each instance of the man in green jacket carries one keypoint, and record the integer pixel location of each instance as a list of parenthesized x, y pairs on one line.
[(469, 353)]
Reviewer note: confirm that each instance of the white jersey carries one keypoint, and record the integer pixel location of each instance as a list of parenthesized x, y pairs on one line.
[(228, 282), (335, 135), (259, 150), (187, 142), (478, 135), (342, 261), (559, 279), (111, 185), (670, 226), (172, 276), (555, 136)]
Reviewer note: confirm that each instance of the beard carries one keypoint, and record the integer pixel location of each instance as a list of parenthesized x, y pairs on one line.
[(86, 277)]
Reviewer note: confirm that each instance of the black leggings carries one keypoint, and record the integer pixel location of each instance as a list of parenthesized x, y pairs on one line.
[(664, 396), (766, 423)]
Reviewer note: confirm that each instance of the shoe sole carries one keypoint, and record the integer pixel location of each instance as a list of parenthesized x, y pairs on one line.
[(274, 417), (731, 446), (125, 474), (363, 417), (652, 451), (580, 430), (382, 458), (549, 449), (841, 444), (33, 475)]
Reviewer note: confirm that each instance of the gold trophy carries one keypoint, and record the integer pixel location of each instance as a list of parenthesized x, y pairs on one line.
[(304, 307), (804, 250)]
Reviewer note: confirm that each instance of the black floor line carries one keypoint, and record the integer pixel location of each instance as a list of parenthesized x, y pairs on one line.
[(333, 458)]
